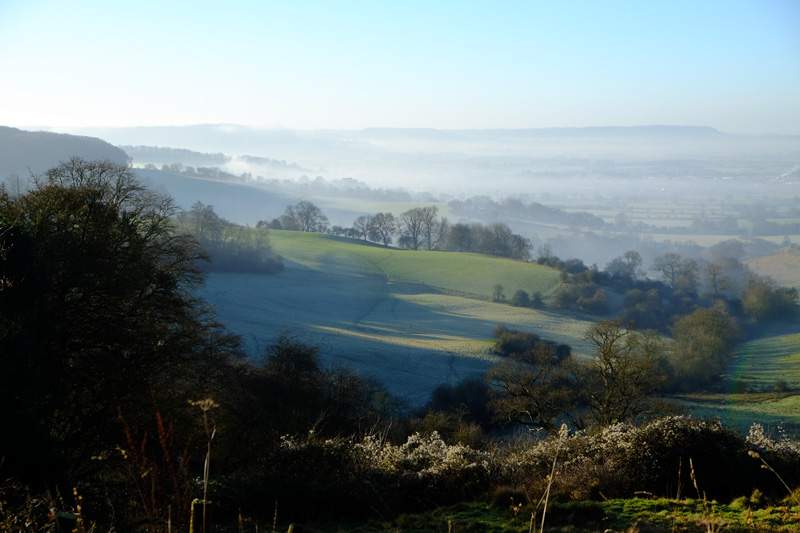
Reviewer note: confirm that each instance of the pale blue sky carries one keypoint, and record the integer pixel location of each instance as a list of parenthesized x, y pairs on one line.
[(730, 64)]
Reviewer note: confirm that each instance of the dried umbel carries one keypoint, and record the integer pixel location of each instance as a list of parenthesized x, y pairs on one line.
[(205, 405)]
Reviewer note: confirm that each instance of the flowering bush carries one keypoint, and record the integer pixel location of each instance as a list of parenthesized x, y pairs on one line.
[(424, 456), (757, 437), (344, 476), (369, 475), (623, 459)]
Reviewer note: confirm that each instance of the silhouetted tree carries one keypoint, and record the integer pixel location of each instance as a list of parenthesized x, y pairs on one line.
[(96, 317)]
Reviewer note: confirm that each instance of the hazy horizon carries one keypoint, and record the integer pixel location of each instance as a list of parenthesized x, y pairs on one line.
[(77, 128), (732, 65)]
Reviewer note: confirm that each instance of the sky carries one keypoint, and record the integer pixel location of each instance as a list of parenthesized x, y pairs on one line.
[(733, 65)]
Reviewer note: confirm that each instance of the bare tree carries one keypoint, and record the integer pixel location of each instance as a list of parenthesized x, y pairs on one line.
[(382, 227), (715, 278), (412, 225), (361, 226), (669, 266), (305, 216), (429, 224), (627, 369), (288, 220), (629, 265), (534, 388), (679, 272), (203, 221), (441, 233)]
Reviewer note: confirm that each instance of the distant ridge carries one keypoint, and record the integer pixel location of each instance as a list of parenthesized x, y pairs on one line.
[(581, 132), (24, 152), (282, 142)]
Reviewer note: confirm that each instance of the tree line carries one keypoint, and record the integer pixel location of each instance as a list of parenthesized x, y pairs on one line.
[(419, 228), (681, 285), (227, 247)]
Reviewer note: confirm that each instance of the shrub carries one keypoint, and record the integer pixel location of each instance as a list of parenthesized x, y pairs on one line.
[(498, 293), (511, 343), (622, 459), (537, 302), (468, 399), (342, 477), (520, 299)]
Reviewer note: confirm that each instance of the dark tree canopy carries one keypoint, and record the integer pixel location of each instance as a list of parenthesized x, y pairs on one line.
[(95, 311)]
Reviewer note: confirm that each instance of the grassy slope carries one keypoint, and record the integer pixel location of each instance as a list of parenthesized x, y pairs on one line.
[(465, 273), (411, 319), (757, 365), (762, 362), (740, 411)]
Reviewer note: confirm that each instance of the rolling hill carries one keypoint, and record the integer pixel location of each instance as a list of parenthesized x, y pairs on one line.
[(238, 202), (25, 152), (465, 273), (411, 319), (783, 266)]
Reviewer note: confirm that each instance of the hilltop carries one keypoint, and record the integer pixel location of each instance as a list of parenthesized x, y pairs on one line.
[(25, 152), (782, 266)]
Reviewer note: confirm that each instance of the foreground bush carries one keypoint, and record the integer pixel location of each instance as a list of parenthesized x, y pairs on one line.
[(656, 458), (343, 477)]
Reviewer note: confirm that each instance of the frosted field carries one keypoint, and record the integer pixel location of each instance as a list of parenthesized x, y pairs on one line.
[(410, 336), (410, 339)]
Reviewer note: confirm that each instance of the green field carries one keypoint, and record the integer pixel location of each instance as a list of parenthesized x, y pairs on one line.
[(757, 365), (761, 363), (412, 319), (469, 274), (740, 410)]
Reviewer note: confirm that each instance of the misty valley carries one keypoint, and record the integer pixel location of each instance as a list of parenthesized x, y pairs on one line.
[(424, 267), (460, 316)]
